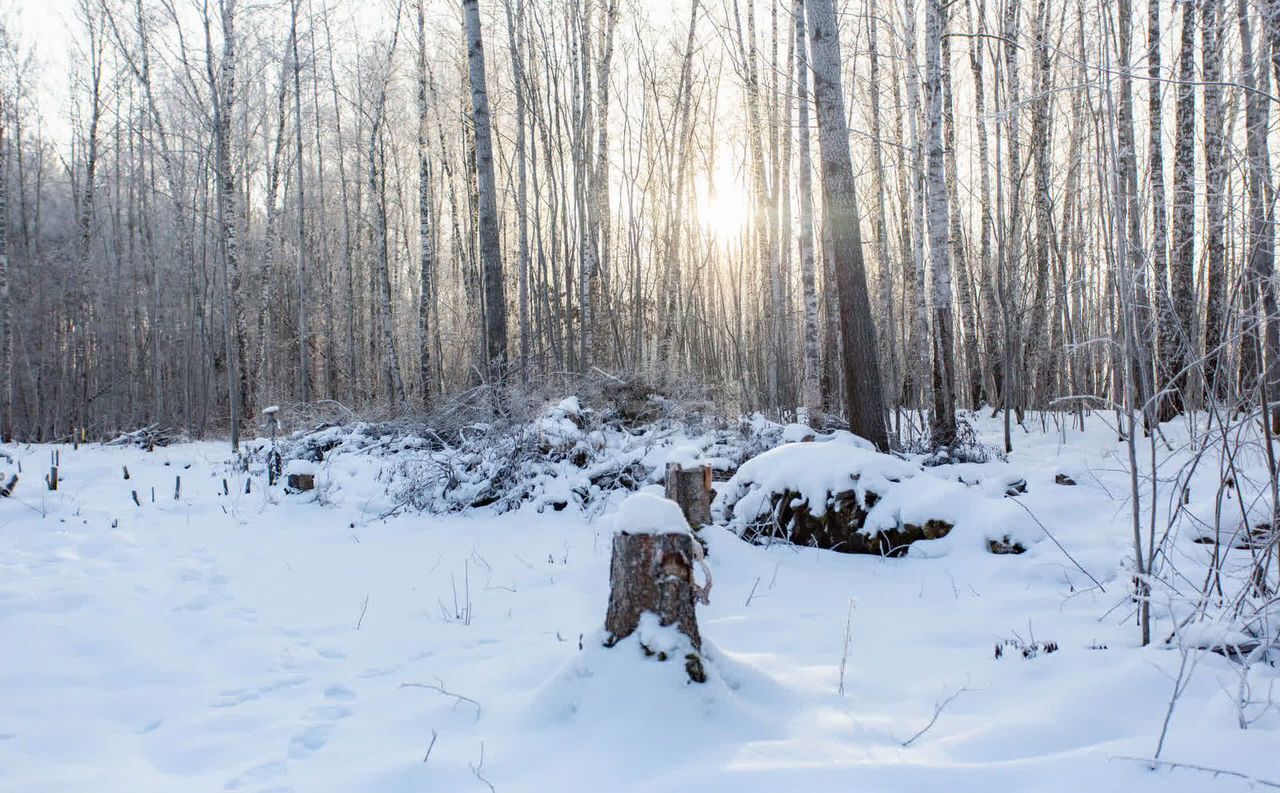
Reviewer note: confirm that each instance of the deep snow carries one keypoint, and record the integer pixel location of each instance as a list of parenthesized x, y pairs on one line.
[(272, 642)]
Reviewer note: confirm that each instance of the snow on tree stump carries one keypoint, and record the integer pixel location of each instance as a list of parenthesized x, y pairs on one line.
[(690, 488), (300, 476), (652, 572)]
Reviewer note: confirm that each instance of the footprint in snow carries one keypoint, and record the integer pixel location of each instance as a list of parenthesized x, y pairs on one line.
[(234, 696), (339, 692), (259, 775), (377, 671), (244, 614), (321, 720), (310, 740), (200, 603), (285, 682), (326, 713)]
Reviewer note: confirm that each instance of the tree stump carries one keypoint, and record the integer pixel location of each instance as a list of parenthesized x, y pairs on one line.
[(691, 489), (300, 475), (300, 483), (654, 573)]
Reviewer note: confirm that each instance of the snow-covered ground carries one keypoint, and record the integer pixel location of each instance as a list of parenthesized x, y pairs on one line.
[(260, 641)]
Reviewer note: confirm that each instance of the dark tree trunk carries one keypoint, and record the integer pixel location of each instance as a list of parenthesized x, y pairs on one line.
[(495, 301), (863, 394)]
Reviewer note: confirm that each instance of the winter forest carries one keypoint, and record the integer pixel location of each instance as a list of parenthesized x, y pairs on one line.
[(357, 357)]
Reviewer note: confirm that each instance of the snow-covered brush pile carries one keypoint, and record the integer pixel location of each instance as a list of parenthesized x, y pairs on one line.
[(838, 492), (565, 456), (149, 437)]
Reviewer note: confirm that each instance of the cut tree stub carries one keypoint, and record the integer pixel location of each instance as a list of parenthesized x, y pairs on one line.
[(654, 573), (300, 483), (691, 489)]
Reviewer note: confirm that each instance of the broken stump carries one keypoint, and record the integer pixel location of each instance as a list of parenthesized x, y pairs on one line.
[(300, 483), (300, 475), (652, 571), (690, 488)]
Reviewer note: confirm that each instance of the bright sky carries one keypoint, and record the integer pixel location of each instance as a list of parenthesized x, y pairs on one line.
[(44, 27)]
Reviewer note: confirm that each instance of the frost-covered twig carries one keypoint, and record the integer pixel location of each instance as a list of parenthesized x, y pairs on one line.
[(439, 688), (1179, 686), (430, 746), (1065, 553), (363, 608), (1154, 763), (937, 711), (475, 769), (848, 636)]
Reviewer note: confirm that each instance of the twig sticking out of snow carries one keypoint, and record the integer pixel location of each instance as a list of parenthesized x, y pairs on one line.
[(439, 688), (848, 636), (937, 711), (1179, 686), (1153, 764), (363, 608), (1049, 534), (430, 746), (475, 769)]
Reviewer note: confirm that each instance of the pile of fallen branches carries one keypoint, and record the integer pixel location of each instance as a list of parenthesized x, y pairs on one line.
[(149, 437)]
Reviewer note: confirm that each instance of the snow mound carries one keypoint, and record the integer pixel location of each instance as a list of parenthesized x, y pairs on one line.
[(813, 471), (844, 495), (662, 705), (646, 513), (300, 467)]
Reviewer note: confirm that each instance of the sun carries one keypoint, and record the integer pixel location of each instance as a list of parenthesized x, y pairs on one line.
[(722, 203)]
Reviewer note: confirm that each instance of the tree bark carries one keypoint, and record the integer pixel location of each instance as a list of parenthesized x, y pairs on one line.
[(944, 399), (6, 306), (516, 41), (1166, 336), (691, 489), (396, 395), (495, 300), (840, 209), (223, 94), (882, 188), (811, 396), (426, 240), (1215, 381), (304, 340), (654, 573), (1260, 252), (1182, 262)]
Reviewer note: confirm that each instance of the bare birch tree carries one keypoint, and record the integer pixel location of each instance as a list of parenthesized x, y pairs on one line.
[(944, 380)]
